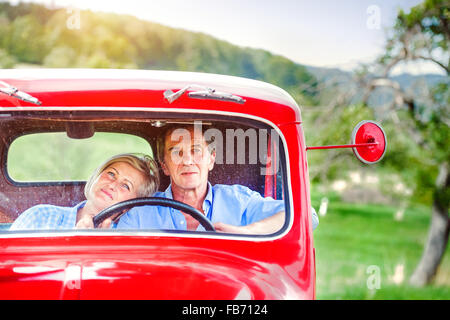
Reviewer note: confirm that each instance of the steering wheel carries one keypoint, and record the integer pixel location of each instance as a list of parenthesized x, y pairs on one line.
[(153, 201)]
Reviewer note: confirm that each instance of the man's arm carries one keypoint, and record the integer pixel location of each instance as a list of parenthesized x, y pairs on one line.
[(266, 226)]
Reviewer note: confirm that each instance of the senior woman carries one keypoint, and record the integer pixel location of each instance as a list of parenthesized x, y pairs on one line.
[(120, 178)]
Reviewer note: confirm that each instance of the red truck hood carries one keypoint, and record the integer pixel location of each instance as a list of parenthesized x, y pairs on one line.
[(154, 273)]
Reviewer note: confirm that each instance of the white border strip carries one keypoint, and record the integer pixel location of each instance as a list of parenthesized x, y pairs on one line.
[(162, 234)]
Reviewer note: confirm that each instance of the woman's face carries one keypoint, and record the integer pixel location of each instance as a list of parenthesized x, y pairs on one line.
[(118, 182)]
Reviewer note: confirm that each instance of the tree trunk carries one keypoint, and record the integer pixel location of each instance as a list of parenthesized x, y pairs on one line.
[(438, 233)]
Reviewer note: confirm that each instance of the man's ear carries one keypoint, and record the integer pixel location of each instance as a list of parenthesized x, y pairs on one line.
[(212, 160), (164, 169)]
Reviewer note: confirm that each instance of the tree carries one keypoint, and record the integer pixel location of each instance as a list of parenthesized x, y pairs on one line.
[(423, 34), (6, 61)]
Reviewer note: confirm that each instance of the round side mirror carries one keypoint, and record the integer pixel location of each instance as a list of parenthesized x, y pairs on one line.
[(369, 132)]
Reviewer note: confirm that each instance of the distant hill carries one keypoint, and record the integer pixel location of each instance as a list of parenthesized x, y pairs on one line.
[(405, 80), (414, 84)]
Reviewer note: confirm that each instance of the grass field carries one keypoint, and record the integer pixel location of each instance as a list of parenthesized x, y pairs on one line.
[(362, 252)]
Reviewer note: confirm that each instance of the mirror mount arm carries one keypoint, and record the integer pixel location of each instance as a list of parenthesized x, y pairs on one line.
[(370, 144)]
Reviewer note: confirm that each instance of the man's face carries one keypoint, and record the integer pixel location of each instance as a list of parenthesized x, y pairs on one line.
[(187, 159)]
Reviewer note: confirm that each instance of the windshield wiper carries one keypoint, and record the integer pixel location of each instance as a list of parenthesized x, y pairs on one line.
[(205, 93), (16, 93)]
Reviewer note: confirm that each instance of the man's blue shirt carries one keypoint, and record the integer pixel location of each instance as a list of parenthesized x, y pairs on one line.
[(232, 204), (236, 205)]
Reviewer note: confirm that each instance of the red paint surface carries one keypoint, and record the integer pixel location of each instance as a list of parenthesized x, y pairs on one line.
[(108, 266)]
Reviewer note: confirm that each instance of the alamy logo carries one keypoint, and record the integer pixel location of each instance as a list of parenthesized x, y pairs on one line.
[(73, 22), (374, 278), (252, 146), (374, 17)]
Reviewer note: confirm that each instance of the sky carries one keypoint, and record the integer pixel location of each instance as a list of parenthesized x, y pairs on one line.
[(324, 33)]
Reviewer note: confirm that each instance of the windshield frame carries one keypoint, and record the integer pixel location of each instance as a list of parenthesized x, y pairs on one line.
[(162, 114)]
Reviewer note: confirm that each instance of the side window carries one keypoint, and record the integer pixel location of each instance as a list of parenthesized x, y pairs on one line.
[(48, 157)]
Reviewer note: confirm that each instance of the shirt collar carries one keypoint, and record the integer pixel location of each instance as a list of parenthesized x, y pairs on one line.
[(79, 206), (168, 192), (209, 196), (71, 218)]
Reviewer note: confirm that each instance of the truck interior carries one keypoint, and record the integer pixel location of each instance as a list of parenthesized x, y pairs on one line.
[(24, 184)]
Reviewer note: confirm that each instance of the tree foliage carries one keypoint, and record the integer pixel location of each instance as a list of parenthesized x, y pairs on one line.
[(31, 33), (423, 34), (424, 120)]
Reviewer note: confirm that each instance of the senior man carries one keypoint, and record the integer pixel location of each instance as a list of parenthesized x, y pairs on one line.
[(186, 157)]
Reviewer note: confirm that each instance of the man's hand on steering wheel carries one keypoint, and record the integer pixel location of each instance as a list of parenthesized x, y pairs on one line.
[(105, 217)]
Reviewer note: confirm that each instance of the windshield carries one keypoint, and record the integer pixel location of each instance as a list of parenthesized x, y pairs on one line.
[(53, 156), (60, 167)]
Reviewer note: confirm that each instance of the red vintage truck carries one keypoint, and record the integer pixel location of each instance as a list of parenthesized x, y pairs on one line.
[(261, 120)]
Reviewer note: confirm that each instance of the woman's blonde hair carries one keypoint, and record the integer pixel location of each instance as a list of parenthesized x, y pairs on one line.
[(141, 162)]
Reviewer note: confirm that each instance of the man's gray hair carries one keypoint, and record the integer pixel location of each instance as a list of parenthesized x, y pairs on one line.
[(168, 130)]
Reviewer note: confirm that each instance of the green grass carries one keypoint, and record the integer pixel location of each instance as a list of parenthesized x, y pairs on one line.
[(352, 240)]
